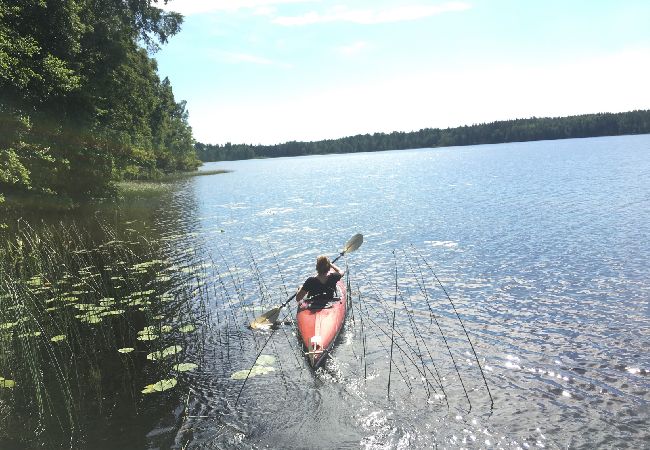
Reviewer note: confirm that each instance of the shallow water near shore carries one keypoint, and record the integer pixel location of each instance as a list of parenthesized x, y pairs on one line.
[(542, 247)]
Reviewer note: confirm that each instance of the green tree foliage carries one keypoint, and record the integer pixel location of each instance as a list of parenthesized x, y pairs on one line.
[(81, 104), (589, 125)]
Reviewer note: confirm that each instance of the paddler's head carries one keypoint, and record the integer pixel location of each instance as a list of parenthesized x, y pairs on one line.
[(323, 265)]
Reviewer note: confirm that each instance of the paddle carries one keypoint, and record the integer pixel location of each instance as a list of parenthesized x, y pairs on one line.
[(269, 317)]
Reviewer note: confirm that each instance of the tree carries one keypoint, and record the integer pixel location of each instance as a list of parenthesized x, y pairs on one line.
[(81, 103)]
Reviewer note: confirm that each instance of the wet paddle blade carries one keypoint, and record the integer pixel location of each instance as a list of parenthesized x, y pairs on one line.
[(354, 243), (267, 319)]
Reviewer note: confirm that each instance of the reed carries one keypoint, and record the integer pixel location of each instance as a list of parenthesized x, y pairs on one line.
[(85, 324)]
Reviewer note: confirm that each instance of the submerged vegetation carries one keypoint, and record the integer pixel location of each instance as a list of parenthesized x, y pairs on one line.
[(86, 327), (534, 129)]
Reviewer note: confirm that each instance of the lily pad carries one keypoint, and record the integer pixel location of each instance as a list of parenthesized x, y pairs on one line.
[(113, 312), (169, 351), (125, 350), (187, 328), (9, 384), (255, 371), (148, 336), (35, 281), (32, 334), (265, 360), (91, 319), (185, 367), (108, 301), (160, 386)]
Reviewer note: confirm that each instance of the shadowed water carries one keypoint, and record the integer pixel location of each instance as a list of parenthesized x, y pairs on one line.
[(543, 248)]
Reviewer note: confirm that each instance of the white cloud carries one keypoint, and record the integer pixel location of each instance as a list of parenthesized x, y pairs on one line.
[(613, 83), (353, 49), (372, 16), (190, 7)]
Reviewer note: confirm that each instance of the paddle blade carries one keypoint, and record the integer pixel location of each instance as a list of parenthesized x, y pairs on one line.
[(354, 243), (267, 319)]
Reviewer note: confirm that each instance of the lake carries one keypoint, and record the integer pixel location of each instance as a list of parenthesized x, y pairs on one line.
[(542, 250)]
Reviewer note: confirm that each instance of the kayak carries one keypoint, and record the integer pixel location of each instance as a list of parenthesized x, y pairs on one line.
[(319, 327)]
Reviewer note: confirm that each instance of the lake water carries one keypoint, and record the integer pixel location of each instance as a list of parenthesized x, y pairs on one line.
[(542, 247)]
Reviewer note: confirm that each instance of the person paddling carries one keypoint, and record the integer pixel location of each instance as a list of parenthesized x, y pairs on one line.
[(321, 288)]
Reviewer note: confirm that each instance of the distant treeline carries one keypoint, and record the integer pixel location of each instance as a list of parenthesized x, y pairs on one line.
[(81, 103), (534, 129)]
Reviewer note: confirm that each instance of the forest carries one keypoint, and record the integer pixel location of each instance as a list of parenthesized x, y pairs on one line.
[(81, 102), (533, 129)]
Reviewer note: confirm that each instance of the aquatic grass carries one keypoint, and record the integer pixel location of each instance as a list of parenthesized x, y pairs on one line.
[(197, 173), (149, 188), (67, 305)]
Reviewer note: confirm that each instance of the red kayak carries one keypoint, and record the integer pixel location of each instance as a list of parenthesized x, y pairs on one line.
[(319, 327)]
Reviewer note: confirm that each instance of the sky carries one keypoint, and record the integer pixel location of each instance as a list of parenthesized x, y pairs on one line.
[(271, 71)]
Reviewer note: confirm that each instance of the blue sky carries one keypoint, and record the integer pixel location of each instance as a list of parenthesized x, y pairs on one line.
[(269, 71)]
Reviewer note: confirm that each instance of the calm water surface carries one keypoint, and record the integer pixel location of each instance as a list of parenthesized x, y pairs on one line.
[(543, 248)]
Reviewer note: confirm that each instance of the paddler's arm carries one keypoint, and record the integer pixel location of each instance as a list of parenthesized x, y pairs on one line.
[(337, 269), (301, 294)]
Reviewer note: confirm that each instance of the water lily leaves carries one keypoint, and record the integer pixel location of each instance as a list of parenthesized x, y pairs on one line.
[(143, 293), (167, 297), (255, 371), (187, 328), (125, 350), (85, 306), (169, 351), (80, 292), (113, 312), (8, 384), (265, 360), (160, 386), (261, 367), (90, 318), (185, 367), (58, 338), (147, 334), (108, 301), (35, 281), (32, 334)]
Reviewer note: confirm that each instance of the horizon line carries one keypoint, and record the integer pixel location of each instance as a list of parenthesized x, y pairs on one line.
[(427, 128)]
